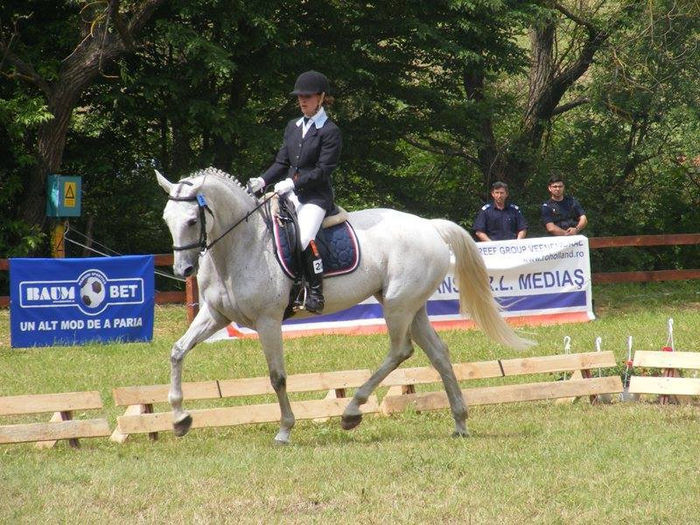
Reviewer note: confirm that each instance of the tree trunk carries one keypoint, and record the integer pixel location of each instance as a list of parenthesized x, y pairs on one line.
[(547, 87), (489, 159), (51, 142), (87, 249), (540, 102), (100, 46)]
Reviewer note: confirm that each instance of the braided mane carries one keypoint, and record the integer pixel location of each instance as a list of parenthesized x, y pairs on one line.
[(211, 171), (220, 175)]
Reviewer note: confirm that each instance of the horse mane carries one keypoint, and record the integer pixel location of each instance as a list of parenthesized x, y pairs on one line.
[(221, 175)]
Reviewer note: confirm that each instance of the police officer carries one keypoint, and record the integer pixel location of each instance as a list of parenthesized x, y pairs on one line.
[(498, 221), (302, 171), (562, 215)]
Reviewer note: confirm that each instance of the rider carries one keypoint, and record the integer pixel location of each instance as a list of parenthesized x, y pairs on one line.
[(303, 167)]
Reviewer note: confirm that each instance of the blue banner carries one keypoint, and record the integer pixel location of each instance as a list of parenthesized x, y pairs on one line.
[(78, 301)]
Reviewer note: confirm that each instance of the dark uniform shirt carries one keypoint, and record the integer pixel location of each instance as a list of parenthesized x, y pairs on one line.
[(500, 225), (564, 213), (309, 161)]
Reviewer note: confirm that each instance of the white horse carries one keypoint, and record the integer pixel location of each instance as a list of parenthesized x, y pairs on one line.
[(220, 235)]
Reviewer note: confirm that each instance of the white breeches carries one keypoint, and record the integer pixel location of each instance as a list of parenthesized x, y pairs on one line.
[(310, 217)]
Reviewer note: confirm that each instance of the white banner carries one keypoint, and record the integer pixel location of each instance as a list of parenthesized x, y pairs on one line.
[(542, 280)]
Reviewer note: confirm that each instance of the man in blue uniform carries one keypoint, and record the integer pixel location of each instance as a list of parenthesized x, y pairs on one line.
[(562, 215), (499, 221)]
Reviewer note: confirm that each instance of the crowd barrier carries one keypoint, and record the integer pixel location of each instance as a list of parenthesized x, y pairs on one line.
[(595, 243), (639, 241), (556, 377), (190, 294)]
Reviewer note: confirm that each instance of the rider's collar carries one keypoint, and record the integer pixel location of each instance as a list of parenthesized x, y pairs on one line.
[(319, 119)]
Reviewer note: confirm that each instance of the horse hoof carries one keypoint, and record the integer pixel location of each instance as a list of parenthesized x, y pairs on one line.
[(180, 428), (350, 422), (282, 437), (460, 434)]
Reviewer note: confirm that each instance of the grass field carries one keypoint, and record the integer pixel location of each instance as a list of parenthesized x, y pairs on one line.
[(524, 463)]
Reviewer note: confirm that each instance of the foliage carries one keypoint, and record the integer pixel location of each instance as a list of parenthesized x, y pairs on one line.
[(638, 139), (432, 99), (19, 117)]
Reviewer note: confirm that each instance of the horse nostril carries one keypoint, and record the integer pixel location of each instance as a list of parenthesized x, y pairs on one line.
[(188, 271)]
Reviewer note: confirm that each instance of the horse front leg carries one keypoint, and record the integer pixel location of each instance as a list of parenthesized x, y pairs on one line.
[(204, 325), (182, 420), (270, 333)]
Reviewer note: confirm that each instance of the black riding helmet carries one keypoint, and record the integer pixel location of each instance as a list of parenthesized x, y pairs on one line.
[(310, 83)]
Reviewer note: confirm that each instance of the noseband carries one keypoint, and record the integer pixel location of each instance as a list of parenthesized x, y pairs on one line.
[(203, 207)]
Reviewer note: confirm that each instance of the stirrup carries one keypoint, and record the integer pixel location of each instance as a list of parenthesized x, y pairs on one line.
[(299, 301), (318, 299)]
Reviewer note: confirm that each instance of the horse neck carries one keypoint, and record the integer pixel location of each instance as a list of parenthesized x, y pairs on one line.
[(230, 205)]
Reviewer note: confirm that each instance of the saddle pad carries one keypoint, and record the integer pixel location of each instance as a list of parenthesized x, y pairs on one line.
[(337, 244)]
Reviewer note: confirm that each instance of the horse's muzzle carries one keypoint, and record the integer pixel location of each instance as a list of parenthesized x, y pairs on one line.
[(185, 266)]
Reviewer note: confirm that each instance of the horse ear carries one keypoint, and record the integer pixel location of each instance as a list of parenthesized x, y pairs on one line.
[(163, 182)]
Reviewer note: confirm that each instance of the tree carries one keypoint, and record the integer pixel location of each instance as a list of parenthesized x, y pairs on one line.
[(103, 31), (435, 100), (637, 139), (562, 44), (204, 89)]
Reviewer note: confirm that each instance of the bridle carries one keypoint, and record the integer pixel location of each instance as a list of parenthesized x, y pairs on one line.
[(202, 243)]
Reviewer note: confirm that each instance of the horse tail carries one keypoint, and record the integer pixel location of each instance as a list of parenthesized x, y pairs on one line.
[(475, 297)]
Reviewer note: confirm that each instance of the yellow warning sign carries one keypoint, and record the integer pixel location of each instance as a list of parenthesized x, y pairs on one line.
[(69, 194)]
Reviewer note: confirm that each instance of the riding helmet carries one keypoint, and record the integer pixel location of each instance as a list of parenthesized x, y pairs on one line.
[(310, 83)]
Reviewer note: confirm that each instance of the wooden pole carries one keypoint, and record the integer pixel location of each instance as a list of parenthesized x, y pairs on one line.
[(191, 298)]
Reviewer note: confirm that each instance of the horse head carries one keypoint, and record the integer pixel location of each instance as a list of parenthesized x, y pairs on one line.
[(190, 214), (182, 215)]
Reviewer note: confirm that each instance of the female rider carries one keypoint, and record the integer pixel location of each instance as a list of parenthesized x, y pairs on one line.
[(302, 171)]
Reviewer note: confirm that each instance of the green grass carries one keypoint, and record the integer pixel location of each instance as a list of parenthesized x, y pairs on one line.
[(525, 463)]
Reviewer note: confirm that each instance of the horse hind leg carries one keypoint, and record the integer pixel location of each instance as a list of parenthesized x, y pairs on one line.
[(400, 350), (425, 336)]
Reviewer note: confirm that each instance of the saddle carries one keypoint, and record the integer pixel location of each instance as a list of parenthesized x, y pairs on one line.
[(335, 240)]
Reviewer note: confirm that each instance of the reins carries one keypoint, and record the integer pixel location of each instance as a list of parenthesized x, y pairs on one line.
[(202, 205)]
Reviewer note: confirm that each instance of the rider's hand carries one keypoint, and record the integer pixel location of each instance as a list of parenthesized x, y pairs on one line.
[(284, 186), (256, 185)]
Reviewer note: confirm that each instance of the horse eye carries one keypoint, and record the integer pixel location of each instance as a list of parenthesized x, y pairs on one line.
[(191, 222)]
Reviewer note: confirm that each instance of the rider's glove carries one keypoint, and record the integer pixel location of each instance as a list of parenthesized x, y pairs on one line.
[(284, 186), (256, 185)]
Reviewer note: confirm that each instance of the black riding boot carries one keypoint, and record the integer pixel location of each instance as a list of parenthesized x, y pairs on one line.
[(313, 271)]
